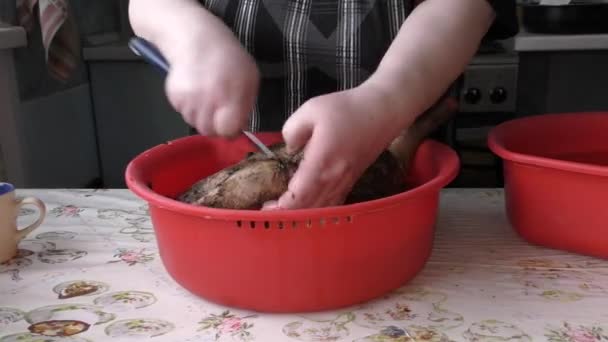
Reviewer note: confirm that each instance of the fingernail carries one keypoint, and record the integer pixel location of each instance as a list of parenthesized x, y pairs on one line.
[(271, 205)]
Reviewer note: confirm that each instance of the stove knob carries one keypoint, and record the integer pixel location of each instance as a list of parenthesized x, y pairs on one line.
[(498, 95), (472, 95)]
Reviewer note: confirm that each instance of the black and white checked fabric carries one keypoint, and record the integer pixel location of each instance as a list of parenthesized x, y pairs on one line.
[(306, 48)]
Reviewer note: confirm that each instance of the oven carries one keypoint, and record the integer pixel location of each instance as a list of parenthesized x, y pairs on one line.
[(486, 93)]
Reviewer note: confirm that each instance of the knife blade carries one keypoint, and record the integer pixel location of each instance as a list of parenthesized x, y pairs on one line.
[(154, 57), (259, 144)]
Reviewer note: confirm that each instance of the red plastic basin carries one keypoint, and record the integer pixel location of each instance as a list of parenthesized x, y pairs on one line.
[(287, 261), (556, 179)]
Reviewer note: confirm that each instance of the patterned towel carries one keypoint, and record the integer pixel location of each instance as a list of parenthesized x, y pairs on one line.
[(59, 34)]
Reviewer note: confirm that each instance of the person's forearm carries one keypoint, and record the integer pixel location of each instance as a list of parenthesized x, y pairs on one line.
[(431, 50), (176, 25)]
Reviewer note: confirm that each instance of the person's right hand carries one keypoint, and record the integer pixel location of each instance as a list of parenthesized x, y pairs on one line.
[(213, 84), (212, 81)]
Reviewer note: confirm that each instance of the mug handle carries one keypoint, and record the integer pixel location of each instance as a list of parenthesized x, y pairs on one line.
[(22, 233)]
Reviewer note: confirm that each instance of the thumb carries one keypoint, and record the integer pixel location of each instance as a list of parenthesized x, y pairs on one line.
[(297, 130), (230, 120)]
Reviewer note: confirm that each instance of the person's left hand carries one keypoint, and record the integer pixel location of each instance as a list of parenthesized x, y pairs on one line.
[(342, 134)]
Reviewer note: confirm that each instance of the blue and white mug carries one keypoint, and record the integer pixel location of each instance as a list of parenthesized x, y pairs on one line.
[(10, 234)]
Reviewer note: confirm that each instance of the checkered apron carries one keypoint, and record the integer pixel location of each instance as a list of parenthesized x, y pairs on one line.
[(306, 48)]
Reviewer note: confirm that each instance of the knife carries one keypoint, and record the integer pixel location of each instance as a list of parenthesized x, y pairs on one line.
[(259, 144), (153, 56)]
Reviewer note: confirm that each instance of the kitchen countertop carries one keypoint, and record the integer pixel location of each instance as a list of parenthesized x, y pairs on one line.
[(536, 42), (523, 42), (114, 51), (482, 283), (12, 37), (119, 51)]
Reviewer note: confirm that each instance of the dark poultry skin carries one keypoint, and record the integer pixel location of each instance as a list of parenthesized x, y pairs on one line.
[(258, 178), (247, 184)]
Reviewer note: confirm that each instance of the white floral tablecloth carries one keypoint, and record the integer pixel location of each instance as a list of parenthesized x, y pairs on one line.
[(92, 272)]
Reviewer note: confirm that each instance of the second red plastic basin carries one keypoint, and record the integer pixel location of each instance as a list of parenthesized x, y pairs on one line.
[(556, 179)]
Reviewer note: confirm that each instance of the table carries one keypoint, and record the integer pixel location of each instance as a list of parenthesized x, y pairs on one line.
[(93, 268)]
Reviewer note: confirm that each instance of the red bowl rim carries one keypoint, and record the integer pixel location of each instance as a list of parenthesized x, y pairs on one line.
[(448, 169), (496, 144)]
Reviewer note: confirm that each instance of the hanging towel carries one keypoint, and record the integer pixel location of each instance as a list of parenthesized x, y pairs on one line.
[(59, 33)]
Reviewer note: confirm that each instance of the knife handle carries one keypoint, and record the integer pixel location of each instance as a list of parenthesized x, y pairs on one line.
[(149, 53), (153, 56)]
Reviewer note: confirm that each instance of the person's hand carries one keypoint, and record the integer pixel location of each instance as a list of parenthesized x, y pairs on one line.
[(213, 86), (342, 134)]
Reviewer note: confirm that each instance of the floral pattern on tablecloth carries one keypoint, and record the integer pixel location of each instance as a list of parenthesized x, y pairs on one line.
[(409, 305), (92, 272), (310, 329), (578, 333), (493, 330), (229, 324), (133, 257)]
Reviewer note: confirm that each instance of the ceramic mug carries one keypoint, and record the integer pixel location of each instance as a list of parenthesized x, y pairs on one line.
[(10, 234)]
